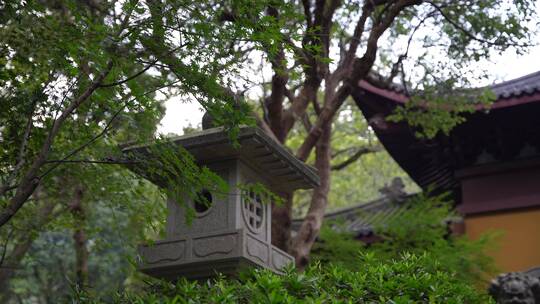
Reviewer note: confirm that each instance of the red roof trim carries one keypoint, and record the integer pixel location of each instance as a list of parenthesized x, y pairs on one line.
[(392, 95), (401, 98), (504, 103)]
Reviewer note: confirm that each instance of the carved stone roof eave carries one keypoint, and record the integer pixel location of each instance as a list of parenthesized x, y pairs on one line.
[(256, 149)]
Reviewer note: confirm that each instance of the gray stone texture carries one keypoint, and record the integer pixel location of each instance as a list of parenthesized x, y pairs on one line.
[(516, 288), (235, 231)]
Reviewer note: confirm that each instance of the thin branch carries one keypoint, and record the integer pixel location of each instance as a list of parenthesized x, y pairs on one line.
[(4, 249), (24, 143), (404, 81), (469, 34), (316, 106), (357, 35), (306, 122), (149, 65), (107, 161), (22, 152), (293, 90), (107, 85), (356, 156), (30, 180), (341, 151), (80, 148), (103, 132), (289, 94), (399, 63), (69, 89)]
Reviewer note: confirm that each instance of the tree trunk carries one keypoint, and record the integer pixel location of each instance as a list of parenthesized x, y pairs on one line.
[(79, 238), (281, 223), (31, 178), (311, 225), (9, 267), (13, 260)]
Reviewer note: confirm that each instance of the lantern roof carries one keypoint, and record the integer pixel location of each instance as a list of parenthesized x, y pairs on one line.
[(255, 148)]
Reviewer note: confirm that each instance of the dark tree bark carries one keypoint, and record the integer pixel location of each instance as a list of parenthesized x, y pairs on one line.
[(281, 223), (309, 230), (31, 177), (337, 87), (79, 237), (10, 266), (12, 261)]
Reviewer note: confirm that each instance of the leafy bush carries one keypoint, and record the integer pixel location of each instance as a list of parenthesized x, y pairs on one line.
[(420, 229), (409, 279), (419, 262), (336, 247)]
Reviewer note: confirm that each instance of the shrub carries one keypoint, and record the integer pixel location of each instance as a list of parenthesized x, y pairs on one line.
[(409, 279), (337, 247), (420, 229), (418, 262)]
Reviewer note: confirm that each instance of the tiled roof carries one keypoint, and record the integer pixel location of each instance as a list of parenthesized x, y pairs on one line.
[(510, 125), (522, 86), (526, 85), (360, 219)]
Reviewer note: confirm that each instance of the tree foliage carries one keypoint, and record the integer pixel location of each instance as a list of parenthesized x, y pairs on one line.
[(79, 78), (91, 63), (360, 166), (427, 47), (422, 228)]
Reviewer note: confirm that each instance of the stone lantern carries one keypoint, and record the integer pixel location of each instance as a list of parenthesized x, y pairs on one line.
[(234, 231)]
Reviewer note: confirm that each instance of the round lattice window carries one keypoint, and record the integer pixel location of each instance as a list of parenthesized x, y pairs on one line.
[(253, 211), (202, 202)]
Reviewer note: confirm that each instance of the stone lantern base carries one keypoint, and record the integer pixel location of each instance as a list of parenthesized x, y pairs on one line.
[(202, 256)]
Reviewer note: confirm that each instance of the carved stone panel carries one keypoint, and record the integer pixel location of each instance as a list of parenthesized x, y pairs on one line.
[(168, 252), (207, 218), (280, 259), (214, 245), (257, 249)]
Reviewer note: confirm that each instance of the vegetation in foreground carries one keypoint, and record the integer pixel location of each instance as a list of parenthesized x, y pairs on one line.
[(418, 262), (408, 279), (422, 228)]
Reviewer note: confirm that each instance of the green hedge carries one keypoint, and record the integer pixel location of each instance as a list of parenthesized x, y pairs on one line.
[(410, 279), (419, 228)]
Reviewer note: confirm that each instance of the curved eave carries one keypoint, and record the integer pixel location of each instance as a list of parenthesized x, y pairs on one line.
[(255, 148), (434, 162), (510, 93)]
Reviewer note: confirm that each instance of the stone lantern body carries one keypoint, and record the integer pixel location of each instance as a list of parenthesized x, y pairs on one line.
[(234, 231)]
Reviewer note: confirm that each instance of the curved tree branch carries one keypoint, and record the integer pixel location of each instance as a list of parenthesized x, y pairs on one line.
[(356, 156), (360, 69)]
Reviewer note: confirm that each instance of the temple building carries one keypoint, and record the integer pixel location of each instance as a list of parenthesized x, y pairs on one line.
[(490, 163)]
